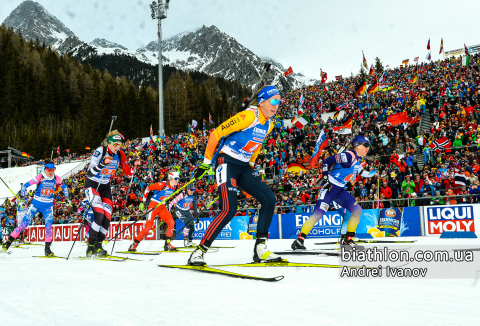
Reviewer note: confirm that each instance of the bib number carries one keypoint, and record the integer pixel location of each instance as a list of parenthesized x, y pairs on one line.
[(46, 192)]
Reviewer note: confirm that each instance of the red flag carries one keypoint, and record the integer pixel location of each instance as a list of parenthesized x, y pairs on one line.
[(398, 118), (441, 143), (288, 72), (58, 150), (338, 77), (324, 78)]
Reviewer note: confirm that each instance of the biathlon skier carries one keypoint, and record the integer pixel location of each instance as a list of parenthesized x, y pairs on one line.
[(243, 135), (184, 203), (22, 207), (103, 166), (89, 216), (161, 190), (346, 165), (47, 182)]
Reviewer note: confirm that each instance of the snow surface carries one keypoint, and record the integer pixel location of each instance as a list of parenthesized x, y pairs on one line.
[(58, 292), (14, 176)]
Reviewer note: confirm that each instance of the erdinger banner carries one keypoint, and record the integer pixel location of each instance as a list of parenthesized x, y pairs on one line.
[(236, 229), (387, 222), (68, 232), (452, 218)]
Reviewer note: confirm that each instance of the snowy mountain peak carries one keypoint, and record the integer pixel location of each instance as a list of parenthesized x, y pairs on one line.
[(103, 43), (33, 20)]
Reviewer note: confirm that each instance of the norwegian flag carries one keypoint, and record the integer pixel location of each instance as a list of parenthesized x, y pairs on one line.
[(67, 150), (440, 144), (58, 150), (416, 59), (151, 147), (338, 77)]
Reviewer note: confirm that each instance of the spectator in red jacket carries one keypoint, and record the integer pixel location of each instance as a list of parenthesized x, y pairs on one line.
[(386, 190)]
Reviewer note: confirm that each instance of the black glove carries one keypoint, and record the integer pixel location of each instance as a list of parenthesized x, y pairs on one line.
[(326, 183), (201, 170)]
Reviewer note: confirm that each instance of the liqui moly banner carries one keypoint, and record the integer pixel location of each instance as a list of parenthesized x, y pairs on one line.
[(68, 232), (452, 218)]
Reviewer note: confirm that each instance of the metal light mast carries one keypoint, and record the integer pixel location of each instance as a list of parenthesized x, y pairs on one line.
[(159, 11)]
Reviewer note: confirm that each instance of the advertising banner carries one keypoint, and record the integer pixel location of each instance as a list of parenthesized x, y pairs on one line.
[(393, 222), (452, 218), (68, 232), (235, 230)]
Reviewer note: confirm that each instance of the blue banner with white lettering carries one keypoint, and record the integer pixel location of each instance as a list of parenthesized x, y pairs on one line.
[(388, 222), (235, 230)]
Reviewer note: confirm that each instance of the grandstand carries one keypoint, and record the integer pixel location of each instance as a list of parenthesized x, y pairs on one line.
[(443, 103)]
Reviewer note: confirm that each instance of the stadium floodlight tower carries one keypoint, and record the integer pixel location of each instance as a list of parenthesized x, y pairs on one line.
[(159, 11)]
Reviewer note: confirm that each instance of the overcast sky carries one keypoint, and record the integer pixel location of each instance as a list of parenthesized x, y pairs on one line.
[(305, 34)]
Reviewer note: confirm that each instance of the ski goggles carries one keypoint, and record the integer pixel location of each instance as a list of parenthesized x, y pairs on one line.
[(274, 102), (117, 144)]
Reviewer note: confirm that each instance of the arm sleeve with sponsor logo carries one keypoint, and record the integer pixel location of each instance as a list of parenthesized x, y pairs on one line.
[(96, 165), (344, 158), (236, 123)]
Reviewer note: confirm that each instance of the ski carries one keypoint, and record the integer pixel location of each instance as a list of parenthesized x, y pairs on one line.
[(103, 258), (307, 252), (30, 244), (177, 250), (368, 241), (50, 257), (18, 247), (206, 269), (138, 253), (288, 264)]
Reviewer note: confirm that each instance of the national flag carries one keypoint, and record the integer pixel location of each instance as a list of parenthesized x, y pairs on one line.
[(361, 87), (421, 140), (373, 88), (204, 127), (288, 72), (325, 88), (86, 147), (341, 107), (58, 150), (466, 49), (441, 46), (398, 118), (364, 61), (25, 154), (301, 101), (372, 71), (320, 103), (415, 120), (405, 62), (345, 129), (428, 44), (67, 150), (139, 146), (194, 124), (441, 143), (338, 77), (415, 78), (416, 59), (300, 121), (465, 60), (382, 82), (210, 119), (335, 116), (324, 78), (322, 142), (429, 56)]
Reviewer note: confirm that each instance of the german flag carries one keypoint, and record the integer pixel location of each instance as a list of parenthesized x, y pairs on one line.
[(86, 147), (361, 87), (405, 62), (373, 88), (336, 115), (25, 154), (415, 79)]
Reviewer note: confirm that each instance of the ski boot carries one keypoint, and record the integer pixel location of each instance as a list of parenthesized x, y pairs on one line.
[(197, 258), (261, 253), (187, 243), (298, 243), (133, 246), (48, 252), (98, 247), (7, 244), (168, 246), (91, 252), (347, 242)]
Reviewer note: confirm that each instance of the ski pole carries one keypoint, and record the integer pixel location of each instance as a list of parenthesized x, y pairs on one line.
[(86, 210), (158, 205), (10, 189), (126, 197), (196, 216)]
